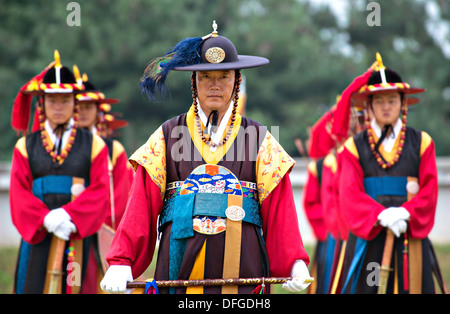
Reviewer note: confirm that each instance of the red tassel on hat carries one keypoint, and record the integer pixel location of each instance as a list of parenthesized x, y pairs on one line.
[(20, 117), (320, 140), (341, 123)]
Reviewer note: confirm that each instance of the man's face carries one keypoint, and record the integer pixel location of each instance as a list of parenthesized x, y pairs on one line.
[(58, 108), (87, 115), (215, 89), (386, 107)]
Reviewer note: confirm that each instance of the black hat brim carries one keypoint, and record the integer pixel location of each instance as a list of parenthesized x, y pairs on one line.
[(244, 62)]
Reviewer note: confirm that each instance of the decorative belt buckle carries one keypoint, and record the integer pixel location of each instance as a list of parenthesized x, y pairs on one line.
[(235, 213)]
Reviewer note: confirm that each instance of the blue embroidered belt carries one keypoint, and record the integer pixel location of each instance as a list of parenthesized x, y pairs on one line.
[(205, 204), (52, 184)]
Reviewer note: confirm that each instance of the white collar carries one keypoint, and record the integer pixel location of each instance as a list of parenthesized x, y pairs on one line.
[(388, 142), (216, 137), (65, 136)]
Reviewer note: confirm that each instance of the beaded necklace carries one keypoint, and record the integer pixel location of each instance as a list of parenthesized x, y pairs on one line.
[(198, 122), (46, 141), (370, 132)]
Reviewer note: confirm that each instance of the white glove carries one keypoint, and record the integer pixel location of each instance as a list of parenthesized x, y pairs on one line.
[(116, 278), (54, 218), (395, 219), (399, 228), (299, 274), (65, 229)]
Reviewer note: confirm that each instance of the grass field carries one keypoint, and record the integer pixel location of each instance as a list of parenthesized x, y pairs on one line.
[(8, 258)]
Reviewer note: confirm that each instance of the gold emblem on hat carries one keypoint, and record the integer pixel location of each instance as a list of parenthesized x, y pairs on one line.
[(215, 55)]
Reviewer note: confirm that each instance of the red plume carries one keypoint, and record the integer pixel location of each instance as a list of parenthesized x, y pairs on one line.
[(320, 140), (20, 117), (341, 123)]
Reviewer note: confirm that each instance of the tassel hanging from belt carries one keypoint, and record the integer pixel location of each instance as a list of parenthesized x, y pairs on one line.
[(405, 263)]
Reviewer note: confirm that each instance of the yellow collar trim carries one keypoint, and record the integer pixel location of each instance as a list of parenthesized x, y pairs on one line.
[(388, 156), (209, 156)]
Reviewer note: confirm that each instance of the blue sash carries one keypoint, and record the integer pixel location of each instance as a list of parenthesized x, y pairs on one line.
[(376, 186), (181, 208), (52, 184)]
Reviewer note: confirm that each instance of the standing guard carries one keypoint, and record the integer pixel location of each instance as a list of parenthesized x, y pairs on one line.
[(388, 194), (59, 192), (218, 182)]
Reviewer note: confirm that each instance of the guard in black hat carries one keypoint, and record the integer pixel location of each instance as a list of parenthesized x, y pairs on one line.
[(217, 182), (59, 191), (388, 194)]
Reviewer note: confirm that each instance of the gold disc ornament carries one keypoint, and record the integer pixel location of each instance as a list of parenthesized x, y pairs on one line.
[(215, 55)]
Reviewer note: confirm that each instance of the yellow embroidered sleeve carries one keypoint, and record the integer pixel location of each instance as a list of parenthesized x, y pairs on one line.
[(152, 156), (272, 164)]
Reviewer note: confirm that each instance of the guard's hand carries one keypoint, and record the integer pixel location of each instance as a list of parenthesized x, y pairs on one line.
[(398, 227), (116, 278), (54, 218), (299, 274), (395, 219), (65, 229)]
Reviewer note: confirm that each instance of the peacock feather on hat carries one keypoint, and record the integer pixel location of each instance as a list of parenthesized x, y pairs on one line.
[(186, 52)]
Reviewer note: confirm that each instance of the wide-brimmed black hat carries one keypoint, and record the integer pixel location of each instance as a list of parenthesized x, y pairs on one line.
[(218, 53), (208, 53)]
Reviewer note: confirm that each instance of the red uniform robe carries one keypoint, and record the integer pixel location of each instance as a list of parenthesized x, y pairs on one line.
[(361, 211), (312, 201), (122, 177)]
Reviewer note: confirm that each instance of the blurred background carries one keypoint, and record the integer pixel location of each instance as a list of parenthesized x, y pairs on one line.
[(315, 47)]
